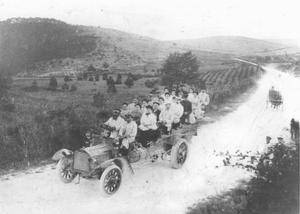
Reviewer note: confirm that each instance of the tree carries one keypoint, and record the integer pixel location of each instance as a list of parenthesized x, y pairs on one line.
[(65, 87), (129, 82), (180, 68), (119, 79), (91, 68), (105, 65), (4, 84), (53, 84), (99, 100)]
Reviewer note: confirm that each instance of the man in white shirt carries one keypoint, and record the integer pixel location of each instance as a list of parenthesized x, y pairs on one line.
[(166, 118), (115, 123), (148, 128), (127, 134), (204, 98), (131, 106), (177, 110)]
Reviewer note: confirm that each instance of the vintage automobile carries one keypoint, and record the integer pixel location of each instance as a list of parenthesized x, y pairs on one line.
[(274, 99), (103, 161)]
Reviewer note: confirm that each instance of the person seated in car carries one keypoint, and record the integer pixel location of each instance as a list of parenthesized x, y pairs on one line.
[(137, 113), (156, 110), (187, 109), (167, 97), (177, 110), (114, 124), (145, 103), (161, 102), (131, 106), (127, 134), (124, 110), (166, 119), (148, 130)]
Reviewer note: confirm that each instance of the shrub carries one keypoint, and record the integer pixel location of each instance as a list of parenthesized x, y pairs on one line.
[(97, 77), (151, 83), (104, 76), (67, 78), (129, 82), (91, 79), (99, 100), (65, 87), (52, 84), (91, 68), (119, 79), (73, 87)]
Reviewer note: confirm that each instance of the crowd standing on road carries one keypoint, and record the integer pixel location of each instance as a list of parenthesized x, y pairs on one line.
[(156, 115)]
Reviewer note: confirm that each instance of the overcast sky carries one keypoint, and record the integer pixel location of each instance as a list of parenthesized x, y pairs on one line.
[(171, 19)]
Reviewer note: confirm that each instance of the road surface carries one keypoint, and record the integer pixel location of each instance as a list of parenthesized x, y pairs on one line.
[(155, 188)]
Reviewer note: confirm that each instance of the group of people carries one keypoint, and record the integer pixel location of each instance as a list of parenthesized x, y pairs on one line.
[(146, 121)]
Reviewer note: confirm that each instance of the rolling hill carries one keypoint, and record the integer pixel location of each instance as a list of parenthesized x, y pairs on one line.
[(45, 45), (237, 45)]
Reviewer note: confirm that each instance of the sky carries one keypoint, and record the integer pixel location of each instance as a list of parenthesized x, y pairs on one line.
[(171, 19)]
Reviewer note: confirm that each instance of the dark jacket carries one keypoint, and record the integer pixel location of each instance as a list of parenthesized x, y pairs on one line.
[(187, 106)]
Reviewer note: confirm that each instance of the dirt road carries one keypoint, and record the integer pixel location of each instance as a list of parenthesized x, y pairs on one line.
[(156, 188)]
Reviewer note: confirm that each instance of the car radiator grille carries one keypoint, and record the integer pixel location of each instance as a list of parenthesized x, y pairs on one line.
[(81, 162)]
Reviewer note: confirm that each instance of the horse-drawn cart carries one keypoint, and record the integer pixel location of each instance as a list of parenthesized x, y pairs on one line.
[(274, 99)]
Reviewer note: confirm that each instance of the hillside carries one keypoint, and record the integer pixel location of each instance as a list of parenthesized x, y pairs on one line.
[(38, 46), (235, 45)]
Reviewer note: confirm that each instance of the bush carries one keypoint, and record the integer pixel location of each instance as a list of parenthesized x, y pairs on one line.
[(65, 87), (52, 84), (276, 182), (151, 83), (129, 82), (99, 100), (91, 79), (119, 79), (104, 76), (73, 87), (67, 78), (97, 77), (91, 68)]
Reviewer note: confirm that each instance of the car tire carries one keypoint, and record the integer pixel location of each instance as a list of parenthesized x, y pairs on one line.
[(64, 170), (110, 180), (179, 153)]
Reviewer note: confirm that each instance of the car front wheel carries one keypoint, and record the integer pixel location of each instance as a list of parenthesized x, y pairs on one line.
[(110, 180)]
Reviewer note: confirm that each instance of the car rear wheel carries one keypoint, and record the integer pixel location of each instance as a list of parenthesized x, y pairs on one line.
[(179, 154), (110, 180), (65, 172)]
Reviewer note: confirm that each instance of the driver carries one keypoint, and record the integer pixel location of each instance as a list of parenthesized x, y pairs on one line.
[(127, 134), (115, 123)]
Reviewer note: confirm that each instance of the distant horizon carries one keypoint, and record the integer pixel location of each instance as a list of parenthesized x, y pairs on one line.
[(169, 20), (272, 40)]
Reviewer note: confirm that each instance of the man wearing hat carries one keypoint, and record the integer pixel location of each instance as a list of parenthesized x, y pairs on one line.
[(115, 122), (127, 134)]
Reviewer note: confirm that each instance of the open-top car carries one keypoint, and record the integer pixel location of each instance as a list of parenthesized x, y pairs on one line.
[(104, 162)]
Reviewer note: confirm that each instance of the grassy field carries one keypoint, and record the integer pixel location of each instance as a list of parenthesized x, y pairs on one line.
[(44, 121)]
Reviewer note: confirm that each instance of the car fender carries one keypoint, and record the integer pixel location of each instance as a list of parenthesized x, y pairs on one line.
[(61, 153), (121, 162)]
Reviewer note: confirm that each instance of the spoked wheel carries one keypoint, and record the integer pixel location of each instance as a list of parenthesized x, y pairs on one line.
[(65, 172), (110, 180), (179, 154)]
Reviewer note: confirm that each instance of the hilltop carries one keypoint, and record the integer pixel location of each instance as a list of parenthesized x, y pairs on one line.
[(42, 45)]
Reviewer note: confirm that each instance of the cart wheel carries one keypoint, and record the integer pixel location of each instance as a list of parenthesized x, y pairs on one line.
[(110, 180), (179, 153), (65, 172)]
